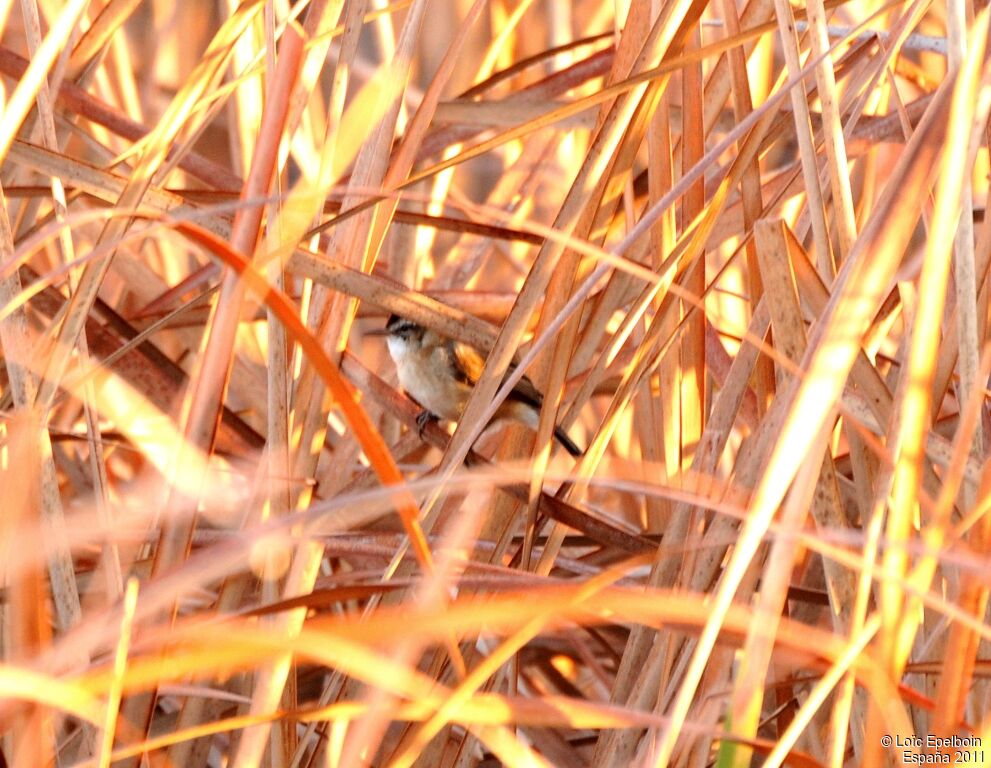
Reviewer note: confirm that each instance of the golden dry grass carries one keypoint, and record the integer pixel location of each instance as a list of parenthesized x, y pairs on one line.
[(741, 248)]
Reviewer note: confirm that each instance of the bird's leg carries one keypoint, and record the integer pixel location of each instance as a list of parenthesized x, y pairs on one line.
[(423, 418)]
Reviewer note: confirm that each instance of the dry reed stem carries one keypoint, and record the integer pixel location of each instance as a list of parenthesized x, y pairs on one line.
[(771, 548)]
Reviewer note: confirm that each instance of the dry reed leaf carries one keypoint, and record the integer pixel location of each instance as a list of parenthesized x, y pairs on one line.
[(771, 549)]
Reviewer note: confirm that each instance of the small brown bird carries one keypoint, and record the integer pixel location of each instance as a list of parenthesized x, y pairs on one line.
[(439, 374)]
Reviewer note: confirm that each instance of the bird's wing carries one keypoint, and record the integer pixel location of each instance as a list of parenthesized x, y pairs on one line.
[(525, 390), (471, 364)]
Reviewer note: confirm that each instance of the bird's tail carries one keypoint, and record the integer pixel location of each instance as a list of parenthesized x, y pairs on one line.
[(569, 445)]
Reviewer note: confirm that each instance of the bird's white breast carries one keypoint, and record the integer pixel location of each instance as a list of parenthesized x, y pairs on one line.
[(425, 374)]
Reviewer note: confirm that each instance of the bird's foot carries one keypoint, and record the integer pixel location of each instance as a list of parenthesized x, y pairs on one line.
[(423, 418)]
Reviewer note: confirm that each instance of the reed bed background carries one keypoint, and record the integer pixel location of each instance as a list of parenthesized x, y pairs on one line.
[(741, 247)]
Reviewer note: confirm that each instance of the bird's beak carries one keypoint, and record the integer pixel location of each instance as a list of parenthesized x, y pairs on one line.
[(377, 332)]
